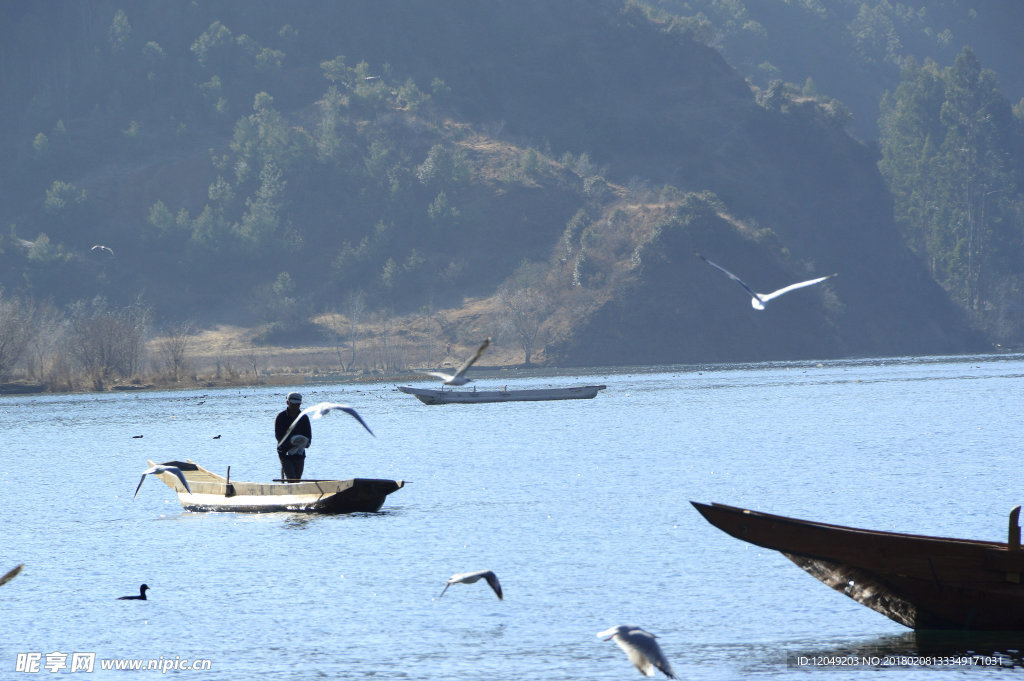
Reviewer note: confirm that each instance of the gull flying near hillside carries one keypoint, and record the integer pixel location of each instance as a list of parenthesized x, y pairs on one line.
[(459, 378), (641, 648), (319, 411), (758, 300), (159, 468), (470, 577)]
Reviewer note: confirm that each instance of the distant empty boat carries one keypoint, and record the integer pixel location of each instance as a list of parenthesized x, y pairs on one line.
[(429, 396)]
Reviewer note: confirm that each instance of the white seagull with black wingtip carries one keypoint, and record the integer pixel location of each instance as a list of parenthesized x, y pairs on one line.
[(320, 410), (459, 378), (159, 468), (641, 648), (758, 300), (471, 577)]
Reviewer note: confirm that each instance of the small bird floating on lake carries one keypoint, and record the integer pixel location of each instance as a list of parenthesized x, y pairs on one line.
[(159, 468), (470, 577), (758, 300), (459, 378), (641, 648), (319, 411), (140, 597)]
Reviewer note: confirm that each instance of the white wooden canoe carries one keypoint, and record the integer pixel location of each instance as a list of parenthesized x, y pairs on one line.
[(213, 492)]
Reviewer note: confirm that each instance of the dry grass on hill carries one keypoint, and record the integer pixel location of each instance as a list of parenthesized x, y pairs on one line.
[(389, 346)]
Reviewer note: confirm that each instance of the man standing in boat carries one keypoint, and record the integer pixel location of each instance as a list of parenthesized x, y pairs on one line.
[(293, 452)]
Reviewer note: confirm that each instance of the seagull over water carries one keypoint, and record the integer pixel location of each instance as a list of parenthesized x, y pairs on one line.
[(160, 468), (470, 577), (459, 378), (758, 300), (318, 411), (641, 648), (103, 249)]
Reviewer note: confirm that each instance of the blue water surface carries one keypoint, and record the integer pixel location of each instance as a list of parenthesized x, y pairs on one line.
[(582, 508)]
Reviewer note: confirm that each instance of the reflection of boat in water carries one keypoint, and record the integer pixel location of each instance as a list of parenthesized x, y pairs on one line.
[(921, 582), (431, 396), (213, 492)]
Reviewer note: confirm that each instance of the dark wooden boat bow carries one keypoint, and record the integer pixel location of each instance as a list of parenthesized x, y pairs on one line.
[(921, 582)]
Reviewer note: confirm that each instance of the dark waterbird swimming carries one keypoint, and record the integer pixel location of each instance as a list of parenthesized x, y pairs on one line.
[(140, 597)]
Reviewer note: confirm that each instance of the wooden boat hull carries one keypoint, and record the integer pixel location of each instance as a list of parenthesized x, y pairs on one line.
[(212, 492), (919, 581), (430, 396)]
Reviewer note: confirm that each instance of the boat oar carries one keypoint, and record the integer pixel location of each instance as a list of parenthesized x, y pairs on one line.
[(1013, 540), (11, 574)]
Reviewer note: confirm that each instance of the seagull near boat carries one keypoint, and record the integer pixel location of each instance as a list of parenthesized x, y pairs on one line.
[(140, 597), (758, 300), (471, 577), (158, 469), (320, 410), (641, 648), (459, 377)]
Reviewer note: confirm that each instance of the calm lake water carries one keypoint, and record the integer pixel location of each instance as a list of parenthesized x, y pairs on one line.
[(580, 507)]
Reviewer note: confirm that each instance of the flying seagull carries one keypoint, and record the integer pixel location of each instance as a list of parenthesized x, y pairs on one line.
[(641, 648), (319, 411), (140, 597), (758, 300), (470, 577), (11, 574), (459, 378), (159, 468), (102, 249)]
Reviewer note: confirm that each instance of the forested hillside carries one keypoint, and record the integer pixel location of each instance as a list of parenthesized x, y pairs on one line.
[(179, 165), (945, 76), (854, 50)]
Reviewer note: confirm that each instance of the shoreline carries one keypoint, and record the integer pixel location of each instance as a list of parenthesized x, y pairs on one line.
[(481, 374)]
